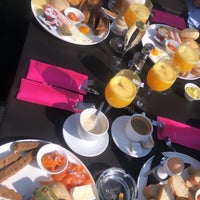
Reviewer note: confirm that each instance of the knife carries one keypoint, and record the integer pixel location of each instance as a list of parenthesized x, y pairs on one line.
[(89, 90)]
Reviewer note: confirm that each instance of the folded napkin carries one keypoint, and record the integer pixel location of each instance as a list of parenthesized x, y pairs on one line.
[(56, 76), (168, 19), (47, 95), (179, 133)]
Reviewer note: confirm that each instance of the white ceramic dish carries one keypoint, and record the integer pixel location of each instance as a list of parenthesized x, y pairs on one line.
[(187, 95), (175, 46), (122, 141), (76, 38), (80, 16), (142, 179), (79, 145), (50, 148), (27, 179), (149, 38)]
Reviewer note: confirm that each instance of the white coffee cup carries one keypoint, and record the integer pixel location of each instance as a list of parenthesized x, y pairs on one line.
[(172, 166), (91, 128), (139, 128)]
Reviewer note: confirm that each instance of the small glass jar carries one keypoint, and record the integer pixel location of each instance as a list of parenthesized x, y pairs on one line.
[(139, 58)]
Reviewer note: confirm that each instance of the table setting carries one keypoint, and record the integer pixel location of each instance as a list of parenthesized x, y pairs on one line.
[(75, 105)]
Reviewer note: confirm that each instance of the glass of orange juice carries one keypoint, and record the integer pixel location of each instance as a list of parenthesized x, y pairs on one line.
[(186, 58), (138, 11), (160, 78), (122, 88)]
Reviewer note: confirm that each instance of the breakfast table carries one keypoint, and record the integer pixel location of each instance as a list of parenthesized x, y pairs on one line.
[(25, 120)]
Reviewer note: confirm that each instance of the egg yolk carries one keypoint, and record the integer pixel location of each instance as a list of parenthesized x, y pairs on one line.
[(154, 52), (84, 29)]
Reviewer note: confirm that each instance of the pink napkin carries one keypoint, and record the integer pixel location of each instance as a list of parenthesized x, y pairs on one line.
[(57, 76), (48, 95), (167, 18), (179, 133)]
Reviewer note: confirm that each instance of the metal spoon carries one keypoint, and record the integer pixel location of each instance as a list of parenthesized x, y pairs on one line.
[(98, 110), (168, 142)]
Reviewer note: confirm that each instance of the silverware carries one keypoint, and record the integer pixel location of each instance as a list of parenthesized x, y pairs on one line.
[(89, 90), (168, 142), (85, 86), (82, 106), (164, 158)]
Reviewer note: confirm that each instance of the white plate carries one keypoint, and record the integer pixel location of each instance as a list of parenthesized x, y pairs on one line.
[(148, 38), (76, 38), (121, 140), (79, 145), (27, 179), (142, 179)]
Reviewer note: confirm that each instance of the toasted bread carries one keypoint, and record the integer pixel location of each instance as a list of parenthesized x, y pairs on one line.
[(151, 191), (166, 193), (6, 193), (178, 186)]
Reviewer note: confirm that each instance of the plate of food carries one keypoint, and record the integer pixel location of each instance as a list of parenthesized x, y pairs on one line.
[(21, 176), (52, 16), (187, 182), (160, 34)]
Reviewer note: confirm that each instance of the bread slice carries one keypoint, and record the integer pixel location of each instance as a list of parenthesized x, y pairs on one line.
[(84, 192), (6, 193), (166, 193), (194, 176), (178, 186), (151, 191)]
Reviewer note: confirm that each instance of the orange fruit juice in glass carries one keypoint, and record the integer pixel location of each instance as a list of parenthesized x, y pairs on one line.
[(161, 77), (186, 58), (121, 89), (136, 12)]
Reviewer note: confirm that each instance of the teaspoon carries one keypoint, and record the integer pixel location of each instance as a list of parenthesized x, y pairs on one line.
[(168, 142)]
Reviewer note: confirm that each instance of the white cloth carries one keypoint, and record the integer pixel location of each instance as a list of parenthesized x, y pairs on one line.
[(193, 15)]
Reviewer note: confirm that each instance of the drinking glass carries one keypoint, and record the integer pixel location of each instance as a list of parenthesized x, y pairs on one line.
[(130, 41), (135, 15), (160, 78), (138, 11), (186, 58), (122, 89)]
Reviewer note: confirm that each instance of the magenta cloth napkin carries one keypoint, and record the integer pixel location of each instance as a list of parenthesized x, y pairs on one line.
[(179, 133), (56, 76), (167, 18), (48, 95)]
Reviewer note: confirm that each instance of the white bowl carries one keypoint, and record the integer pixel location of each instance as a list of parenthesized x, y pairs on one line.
[(197, 194), (79, 15), (52, 148), (192, 92), (171, 46)]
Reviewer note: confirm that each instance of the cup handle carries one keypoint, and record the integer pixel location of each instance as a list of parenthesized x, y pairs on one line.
[(148, 143)]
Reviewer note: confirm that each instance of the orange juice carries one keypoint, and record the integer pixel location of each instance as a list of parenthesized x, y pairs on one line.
[(136, 12), (186, 58), (120, 91), (161, 77)]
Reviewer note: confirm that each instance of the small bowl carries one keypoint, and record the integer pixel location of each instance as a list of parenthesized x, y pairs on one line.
[(74, 15), (54, 149), (115, 182), (171, 46), (192, 92)]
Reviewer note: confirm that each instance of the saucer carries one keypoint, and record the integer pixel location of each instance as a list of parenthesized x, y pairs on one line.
[(122, 141), (79, 145)]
